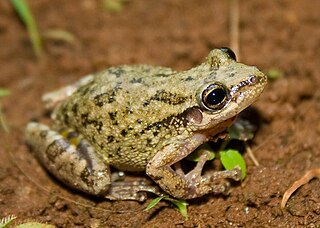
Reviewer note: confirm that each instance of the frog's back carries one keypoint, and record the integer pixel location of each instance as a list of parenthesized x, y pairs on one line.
[(123, 113)]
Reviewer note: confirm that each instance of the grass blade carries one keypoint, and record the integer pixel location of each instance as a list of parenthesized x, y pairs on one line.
[(26, 16)]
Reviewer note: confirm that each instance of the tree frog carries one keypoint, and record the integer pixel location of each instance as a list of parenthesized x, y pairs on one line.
[(144, 118)]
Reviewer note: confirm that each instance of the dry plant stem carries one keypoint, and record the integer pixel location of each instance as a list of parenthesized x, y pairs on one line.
[(251, 155), (297, 184), (234, 26), (3, 122)]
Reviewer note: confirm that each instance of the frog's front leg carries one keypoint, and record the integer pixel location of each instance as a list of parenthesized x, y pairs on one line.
[(73, 160), (193, 184)]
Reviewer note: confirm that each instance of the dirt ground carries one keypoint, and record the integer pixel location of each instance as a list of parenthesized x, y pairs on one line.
[(284, 35)]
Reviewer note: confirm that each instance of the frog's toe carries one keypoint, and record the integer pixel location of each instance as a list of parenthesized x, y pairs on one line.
[(69, 158)]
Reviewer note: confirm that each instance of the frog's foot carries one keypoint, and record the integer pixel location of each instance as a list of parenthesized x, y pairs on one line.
[(136, 190), (192, 184), (69, 158)]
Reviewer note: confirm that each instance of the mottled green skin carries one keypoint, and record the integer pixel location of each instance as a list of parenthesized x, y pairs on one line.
[(129, 113)]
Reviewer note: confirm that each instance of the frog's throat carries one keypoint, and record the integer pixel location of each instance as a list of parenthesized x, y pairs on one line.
[(213, 133)]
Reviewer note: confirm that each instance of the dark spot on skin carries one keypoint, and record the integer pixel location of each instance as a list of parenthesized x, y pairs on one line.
[(110, 139), (173, 120), (56, 148), (168, 97), (110, 155), (103, 98), (189, 78), (85, 91), (124, 133), (74, 108), (84, 175), (85, 121), (135, 80), (156, 125), (118, 152), (130, 128), (83, 153), (117, 71), (149, 142), (84, 118), (162, 75), (101, 146), (129, 110), (43, 134), (112, 115), (146, 103), (155, 133), (139, 121)]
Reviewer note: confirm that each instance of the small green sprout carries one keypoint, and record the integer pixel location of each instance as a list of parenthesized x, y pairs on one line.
[(113, 6), (180, 204), (3, 124), (232, 158), (4, 92), (274, 74), (27, 18)]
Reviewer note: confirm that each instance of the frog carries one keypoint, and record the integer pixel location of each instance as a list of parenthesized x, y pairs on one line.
[(143, 118)]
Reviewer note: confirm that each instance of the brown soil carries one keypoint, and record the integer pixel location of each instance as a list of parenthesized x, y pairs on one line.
[(274, 34)]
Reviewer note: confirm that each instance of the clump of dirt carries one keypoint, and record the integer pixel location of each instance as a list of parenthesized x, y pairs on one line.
[(179, 34)]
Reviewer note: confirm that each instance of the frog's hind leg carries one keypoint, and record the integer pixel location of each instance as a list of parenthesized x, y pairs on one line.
[(70, 159)]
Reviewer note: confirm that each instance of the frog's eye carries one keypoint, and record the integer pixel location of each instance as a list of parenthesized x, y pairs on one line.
[(214, 97), (231, 54)]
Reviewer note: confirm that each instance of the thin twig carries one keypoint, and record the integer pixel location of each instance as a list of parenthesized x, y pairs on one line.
[(234, 15), (251, 155), (297, 184)]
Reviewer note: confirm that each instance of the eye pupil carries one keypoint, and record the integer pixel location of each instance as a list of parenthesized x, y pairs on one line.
[(216, 96)]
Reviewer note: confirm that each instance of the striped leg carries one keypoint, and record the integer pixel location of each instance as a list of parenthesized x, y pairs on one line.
[(71, 159)]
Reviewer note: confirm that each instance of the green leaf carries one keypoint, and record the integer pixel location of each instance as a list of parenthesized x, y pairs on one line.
[(195, 155), (4, 92), (181, 205), (26, 16), (154, 202), (231, 158)]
